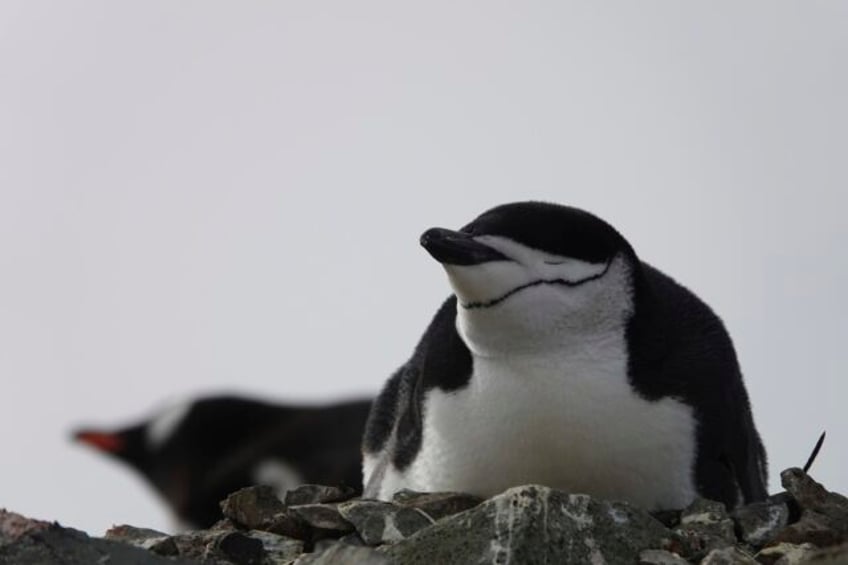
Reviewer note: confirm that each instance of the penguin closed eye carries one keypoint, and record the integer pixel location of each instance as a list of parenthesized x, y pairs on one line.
[(563, 359), (195, 454)]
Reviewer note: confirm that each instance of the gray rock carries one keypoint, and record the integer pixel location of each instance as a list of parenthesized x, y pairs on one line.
[(708, 515), (704, 526), (132, 535), (348, 539), (785, 554), (145, 538), (813, 496), (32, 542), (324, 517), (226, 524), (784, 497), (352, 539), (14, 527), (813, 528), (238, 548), (530, 524), (163, 546), (824, 514), (728, 556), (535, 524), (660, 557), (252, 507), (758, 523), (437, 505), (199, 545), (220, 547), (285, 525), (836, 555), (317, 494), (381, 522), (324, 544), (278, 549), (668, 518), (340, 553)]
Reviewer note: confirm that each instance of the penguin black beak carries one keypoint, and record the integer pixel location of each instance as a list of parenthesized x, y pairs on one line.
[(456, 248)]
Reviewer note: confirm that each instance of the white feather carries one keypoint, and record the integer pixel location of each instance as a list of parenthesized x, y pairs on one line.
[(163, 426)]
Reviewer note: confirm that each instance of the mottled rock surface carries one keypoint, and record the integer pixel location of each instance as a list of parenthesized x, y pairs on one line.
[(528, 524), (759, 522), (437, 505), (278, 549), (704, 526), (785, 554), (342, 553), (381, 522), (145, 538), (317, 494), (252, 507), (660, 557), (24, 541), (322, 517), (835, 555), (728, 556), (535, 524), (824, 514)]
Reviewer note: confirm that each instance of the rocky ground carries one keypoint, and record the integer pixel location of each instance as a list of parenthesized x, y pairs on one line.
[(527, 524)]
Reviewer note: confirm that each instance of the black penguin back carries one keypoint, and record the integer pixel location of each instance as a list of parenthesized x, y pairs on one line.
[(678, 347)]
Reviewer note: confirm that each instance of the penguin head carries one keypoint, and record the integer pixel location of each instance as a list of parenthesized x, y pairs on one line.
[(147, 447), (128, 445), (533, 275)]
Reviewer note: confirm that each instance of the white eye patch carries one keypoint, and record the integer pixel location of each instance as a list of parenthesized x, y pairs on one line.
[(488, 284), (163, 426)]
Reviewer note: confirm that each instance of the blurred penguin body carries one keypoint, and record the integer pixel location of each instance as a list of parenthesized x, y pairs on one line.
[(195, 454)]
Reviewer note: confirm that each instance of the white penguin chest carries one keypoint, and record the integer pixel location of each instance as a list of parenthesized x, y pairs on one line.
[(568, 421)]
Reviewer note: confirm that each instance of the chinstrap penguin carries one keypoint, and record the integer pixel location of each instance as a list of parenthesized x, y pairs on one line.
[(564, 360), (196, 453)]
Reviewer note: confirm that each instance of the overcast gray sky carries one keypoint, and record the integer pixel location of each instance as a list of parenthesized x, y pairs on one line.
[(200, 196)]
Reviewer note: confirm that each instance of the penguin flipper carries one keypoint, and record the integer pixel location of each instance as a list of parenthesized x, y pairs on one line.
[(383, 415), (393, 433)]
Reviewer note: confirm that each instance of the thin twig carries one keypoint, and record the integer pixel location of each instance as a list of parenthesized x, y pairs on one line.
[(815, 452)]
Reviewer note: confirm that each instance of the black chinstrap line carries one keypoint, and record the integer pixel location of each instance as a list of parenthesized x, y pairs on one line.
[(560, 282)]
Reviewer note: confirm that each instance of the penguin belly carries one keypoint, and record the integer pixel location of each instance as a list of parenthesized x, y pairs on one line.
[(574, 424)]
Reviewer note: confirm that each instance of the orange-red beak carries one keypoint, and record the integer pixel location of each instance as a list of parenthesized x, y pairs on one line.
[(104, 441)]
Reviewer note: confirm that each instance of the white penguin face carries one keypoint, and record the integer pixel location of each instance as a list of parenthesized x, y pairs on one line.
[(532, 276), (486, 284), (536, 300)]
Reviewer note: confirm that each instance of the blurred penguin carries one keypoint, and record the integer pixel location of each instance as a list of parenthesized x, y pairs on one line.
[(196, 453)]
